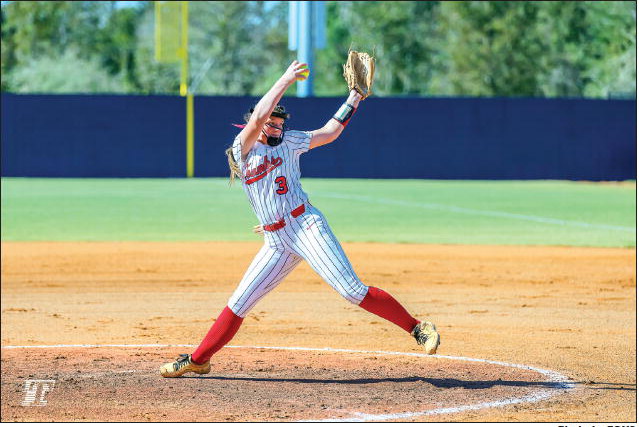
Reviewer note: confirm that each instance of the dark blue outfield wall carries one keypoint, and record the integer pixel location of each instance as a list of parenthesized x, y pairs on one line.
[(432, 138)]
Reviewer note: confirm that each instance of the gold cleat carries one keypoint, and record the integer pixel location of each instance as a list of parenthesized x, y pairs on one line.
[(182, 365), (427, 336)]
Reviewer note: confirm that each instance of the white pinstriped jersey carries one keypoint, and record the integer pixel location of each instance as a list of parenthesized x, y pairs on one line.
[(271, 180), (271, 175)]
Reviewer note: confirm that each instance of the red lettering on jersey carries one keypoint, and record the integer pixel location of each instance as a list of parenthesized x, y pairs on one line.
[(263, 169)]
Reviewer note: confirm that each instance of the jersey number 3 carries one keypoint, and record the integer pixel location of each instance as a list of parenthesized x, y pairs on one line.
[(283, 188)]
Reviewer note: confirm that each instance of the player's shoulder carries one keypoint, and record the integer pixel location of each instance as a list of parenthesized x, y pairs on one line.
[(298, 140), (297, 136)]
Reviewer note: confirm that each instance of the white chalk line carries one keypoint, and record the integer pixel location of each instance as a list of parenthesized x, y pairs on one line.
[(469, 211), (555, 377)]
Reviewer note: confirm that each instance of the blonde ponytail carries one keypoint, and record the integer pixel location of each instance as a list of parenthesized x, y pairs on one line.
[(233, 166)]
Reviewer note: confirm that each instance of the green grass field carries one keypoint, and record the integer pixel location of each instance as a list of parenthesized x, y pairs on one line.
[(407, 211)]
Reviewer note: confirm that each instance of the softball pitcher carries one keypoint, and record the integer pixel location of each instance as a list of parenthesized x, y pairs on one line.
[(265, 157)]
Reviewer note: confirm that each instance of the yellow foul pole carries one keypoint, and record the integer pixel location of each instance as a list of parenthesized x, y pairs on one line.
[(190, 155)]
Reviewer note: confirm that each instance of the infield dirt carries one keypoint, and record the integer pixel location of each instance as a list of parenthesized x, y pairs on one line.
[(570, 310)]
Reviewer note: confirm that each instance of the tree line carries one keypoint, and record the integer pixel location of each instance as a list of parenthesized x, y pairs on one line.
[(431, 48)]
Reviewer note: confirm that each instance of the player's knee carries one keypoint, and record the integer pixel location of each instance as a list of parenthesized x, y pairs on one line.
[(237, 309), (355, 293)]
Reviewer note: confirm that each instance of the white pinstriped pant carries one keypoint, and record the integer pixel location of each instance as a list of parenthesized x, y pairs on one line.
[(306, 237)]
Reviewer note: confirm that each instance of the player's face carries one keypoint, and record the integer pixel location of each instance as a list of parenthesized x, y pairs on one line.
[(274, 126)]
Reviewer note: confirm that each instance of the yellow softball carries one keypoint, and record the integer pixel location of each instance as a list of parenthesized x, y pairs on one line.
[(304, 74)]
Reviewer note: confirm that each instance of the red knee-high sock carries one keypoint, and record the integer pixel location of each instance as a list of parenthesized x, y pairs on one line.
[(384, 305), (222, 331)]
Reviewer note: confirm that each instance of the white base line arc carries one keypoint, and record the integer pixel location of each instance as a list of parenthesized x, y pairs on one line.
[(561, 381)]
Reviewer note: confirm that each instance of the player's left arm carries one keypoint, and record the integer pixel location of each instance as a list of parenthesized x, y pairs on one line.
[(334, 127)]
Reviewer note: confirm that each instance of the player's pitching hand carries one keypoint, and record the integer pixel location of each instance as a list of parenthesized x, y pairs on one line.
[(258, 229), (296, 71)]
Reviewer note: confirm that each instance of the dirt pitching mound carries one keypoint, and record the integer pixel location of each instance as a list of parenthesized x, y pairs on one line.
[(123, 384)]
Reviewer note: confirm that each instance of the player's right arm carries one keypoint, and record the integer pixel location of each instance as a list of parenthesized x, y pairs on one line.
[(265, 106)]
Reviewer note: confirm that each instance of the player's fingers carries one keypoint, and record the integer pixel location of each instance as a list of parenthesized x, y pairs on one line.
[(291, 67)]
